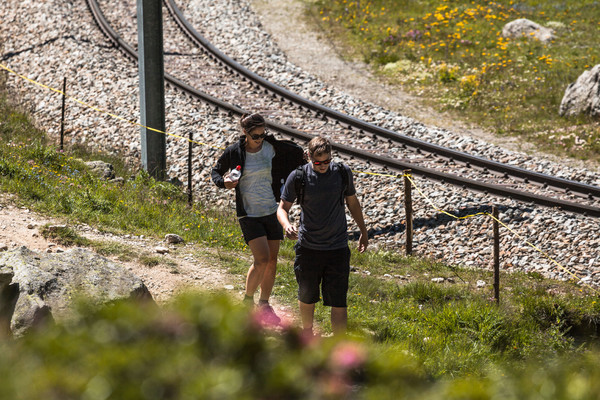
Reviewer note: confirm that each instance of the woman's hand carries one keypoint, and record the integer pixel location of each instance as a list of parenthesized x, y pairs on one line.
[(228, 183)]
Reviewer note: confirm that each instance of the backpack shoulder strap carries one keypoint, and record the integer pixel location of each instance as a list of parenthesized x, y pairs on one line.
[(345, 180), (299, 183)]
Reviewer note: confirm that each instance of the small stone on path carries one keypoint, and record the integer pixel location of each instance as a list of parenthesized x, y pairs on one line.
[(161, 250)]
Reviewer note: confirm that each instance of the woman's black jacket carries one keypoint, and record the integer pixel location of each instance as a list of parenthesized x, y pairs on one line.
[(287, 157)]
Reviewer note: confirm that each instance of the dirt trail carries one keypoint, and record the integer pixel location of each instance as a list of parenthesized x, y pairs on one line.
[(184, 267)]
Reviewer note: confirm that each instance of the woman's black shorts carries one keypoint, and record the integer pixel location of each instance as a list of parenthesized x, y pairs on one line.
[(255, 227)]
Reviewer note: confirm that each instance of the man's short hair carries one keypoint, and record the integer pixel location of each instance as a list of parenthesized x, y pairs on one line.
[(319, 145)]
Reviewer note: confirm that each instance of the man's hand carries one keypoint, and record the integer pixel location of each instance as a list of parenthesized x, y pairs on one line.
[(291, 232), (356, 211), (363, 242)]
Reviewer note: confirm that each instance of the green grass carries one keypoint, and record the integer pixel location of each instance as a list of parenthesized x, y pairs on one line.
[(63, 235), (455, 329), (66, 236), (123, 252), (56, 183), (453, 55)]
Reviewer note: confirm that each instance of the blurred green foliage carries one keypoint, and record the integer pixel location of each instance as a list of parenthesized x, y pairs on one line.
[(211, 347)]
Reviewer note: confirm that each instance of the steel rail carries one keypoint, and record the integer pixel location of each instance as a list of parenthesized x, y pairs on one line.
[(392, 164), (468, 159)]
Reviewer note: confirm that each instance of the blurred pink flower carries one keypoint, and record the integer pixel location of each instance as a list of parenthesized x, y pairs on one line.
[(265, 317), (348, 355)]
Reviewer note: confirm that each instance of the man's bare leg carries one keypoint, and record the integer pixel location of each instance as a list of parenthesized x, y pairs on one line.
[(307, 314), (339, 320)]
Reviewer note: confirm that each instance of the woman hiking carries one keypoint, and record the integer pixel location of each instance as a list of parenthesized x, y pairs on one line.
[(264, 163)]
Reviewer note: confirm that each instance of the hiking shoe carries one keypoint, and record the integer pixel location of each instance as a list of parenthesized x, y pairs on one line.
[(267, 315), (249, 302)]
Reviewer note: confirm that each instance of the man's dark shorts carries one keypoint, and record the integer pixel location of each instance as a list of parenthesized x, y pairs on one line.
[(329, 269), (255, 227)]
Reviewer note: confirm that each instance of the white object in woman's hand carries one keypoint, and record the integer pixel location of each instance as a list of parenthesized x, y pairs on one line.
[(228, 183)]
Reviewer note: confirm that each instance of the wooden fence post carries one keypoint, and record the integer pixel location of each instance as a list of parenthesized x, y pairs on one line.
[(190, 199), (409, 212), (62, 119), (496, 255)]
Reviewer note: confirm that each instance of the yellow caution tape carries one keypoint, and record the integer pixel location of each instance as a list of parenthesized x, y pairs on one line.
[(542, 252), (103, 111), (504, 225), (376, 174)]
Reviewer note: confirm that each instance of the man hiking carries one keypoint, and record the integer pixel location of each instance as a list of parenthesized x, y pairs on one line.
[(322, 255)]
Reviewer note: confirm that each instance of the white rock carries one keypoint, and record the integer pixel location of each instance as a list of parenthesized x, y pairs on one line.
[(161, 250), (524, 27), (583, 95)]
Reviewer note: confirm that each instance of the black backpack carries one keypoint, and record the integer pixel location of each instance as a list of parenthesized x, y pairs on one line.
[(290, 156), (300, 182)]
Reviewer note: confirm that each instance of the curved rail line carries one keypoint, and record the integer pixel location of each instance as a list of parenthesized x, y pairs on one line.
[(488, 188), (354, 123)]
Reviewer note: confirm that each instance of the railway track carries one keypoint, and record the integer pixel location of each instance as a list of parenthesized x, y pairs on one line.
[(492, 177)]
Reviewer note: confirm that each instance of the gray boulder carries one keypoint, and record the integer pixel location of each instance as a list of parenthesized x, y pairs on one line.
[(524, 27), (101, 169), (37, 287), (583, 95), (173, 238)]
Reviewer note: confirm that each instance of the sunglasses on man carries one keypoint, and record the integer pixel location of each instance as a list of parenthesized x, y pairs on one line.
[(324, 162)]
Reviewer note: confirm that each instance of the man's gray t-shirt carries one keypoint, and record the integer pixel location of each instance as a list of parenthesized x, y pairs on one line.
[(323, 217)]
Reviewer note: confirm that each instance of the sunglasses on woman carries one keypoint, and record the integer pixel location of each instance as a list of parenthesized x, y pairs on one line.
[(260, 136)]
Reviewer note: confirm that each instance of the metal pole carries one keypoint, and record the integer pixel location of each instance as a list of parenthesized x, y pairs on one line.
[(190, 200), (409, 212), (62, 119), (496, 255), (152, 90)]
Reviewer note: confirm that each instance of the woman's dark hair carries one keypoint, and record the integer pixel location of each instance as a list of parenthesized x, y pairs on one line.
[(251, 121)]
